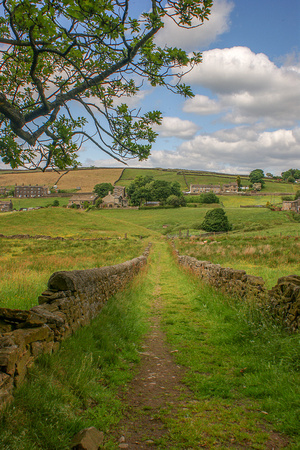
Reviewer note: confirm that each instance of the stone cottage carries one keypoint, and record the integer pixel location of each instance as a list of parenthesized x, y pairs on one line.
[(116, 199), (80, 199), (291, 205), (6, 206)]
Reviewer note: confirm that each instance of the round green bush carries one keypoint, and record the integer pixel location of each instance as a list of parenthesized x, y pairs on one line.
[(216, 220)]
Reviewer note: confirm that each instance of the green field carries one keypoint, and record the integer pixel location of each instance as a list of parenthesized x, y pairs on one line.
[(186, 178), (27, 264)]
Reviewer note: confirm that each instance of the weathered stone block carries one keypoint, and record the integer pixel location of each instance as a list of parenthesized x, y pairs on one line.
[(8, 359), (33, 334), (87, 439)]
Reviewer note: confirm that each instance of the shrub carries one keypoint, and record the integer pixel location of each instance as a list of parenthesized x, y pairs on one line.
[(216, 220), (175, 201), (209, 197), (55, 202)]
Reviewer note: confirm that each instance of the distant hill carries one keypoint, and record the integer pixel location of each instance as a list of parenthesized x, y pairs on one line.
[(87, 178), (83, 178)]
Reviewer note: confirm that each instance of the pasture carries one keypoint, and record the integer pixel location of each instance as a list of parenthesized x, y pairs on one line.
[(262, 242)]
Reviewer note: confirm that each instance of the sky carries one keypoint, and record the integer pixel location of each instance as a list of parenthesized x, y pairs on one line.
[(246, 110)]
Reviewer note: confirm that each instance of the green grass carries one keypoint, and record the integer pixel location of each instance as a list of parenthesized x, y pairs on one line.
[(269, 254), (242, 369), (78, 387), (186, 178), (19, 203), (27, 264), (159, 174), (69, 223)]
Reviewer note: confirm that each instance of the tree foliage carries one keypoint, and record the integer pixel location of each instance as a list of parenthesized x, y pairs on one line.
[(257, 176), (291, 175), (209, 197), (145, 188), (102, 189), (216, 220), (63, 64)]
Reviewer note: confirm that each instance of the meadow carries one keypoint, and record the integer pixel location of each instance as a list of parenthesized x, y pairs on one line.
[(262, 242), (28, 263)]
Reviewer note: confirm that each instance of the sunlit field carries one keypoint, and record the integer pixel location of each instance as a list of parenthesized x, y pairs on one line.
[(267, 254)]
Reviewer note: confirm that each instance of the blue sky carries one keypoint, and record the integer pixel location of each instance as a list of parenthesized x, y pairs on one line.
[(246, 109)]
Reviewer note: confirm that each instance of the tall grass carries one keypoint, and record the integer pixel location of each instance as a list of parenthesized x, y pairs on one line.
[(269, 256), (27, 264), (79, 386)]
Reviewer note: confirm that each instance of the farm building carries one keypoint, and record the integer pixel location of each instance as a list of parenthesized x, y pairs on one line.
[(31, 191), (200, 188), (230, 187), (116, 199), (80, 199), (6, 206), (216, 189), (291, 205)]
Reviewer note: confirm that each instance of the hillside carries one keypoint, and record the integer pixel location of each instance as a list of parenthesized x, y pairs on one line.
[(86, 179), (83, 178)]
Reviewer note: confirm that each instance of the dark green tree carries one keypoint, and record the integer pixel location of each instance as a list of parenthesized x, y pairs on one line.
[(216, 220), (294, 173), (175, 201), (59, 58), (209, 197), (297, 195), (145, 188), (102, 189), (257, 176)]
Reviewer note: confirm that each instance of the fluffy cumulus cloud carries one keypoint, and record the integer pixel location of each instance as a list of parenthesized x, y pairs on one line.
[(238, 150), (202, 105), (176, 127), (251, 86), (201, 36)]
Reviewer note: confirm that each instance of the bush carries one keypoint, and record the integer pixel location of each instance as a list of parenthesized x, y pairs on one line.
[(216, 220), (175, 201), (209, 197), (55, 202)]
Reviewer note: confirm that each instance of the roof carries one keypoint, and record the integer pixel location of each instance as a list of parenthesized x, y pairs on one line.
[(84, 196)]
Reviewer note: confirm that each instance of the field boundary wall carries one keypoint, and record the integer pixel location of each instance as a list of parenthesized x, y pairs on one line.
[(72, 300), (282, 302)]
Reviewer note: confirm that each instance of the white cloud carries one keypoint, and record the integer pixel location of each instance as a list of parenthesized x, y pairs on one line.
[(238, 150), (197, 38), (250, 85), (176, 127), (200, 104)]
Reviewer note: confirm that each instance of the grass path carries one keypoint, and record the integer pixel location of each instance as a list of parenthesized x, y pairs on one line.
[(208, 410)]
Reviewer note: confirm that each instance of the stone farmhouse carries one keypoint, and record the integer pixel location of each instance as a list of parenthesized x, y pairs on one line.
[(6, 206), (31, 191), (216, 189), (80, 199), (291, 205), (4, 190), (200, 188), (116, 199)]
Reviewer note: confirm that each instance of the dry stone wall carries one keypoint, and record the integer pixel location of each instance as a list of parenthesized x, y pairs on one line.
[(71, 301), (282, 301)]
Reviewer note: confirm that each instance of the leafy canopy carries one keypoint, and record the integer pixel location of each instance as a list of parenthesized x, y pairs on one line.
[(257, 176), (216, 220), (102, 189), (66, 64), (145, 188)]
